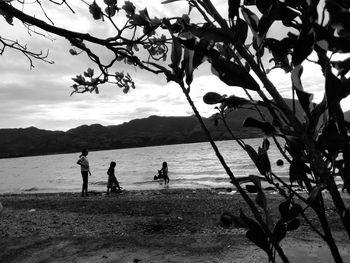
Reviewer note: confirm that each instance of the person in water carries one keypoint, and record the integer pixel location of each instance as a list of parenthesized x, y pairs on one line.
[(164, 172), (85, 171), (112, 184)]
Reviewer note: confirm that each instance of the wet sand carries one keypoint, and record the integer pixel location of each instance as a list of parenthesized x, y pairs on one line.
[(170, 225)]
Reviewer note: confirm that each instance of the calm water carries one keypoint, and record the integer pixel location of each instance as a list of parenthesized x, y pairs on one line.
[(190, 166)]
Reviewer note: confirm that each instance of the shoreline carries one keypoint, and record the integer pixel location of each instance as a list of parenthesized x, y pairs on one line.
[(229, 190), (166, 225)]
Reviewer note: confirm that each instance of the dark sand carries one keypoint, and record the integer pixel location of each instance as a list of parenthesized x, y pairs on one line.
[(143, 226)]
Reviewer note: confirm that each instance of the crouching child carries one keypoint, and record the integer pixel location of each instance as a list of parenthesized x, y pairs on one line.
[(112, 184)]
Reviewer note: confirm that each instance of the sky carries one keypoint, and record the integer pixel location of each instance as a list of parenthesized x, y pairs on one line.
[(40, 97)]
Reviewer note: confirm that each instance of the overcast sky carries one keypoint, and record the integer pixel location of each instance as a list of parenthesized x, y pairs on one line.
[(40, 97)]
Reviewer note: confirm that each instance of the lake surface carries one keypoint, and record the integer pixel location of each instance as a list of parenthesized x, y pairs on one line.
[(192, 165)]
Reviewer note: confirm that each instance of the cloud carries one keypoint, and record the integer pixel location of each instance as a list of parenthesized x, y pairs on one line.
[(40, 97)]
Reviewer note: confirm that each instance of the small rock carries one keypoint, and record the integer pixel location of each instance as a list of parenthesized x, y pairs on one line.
[(226, 219), (251, 188)]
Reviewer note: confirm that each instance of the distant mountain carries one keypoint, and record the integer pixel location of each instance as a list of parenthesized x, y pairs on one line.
[(150, 131)]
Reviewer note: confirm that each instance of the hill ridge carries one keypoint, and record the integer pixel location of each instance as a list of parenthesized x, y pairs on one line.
[(151, 131)]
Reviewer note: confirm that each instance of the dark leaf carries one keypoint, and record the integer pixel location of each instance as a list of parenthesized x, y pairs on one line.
[(289, 211), (279, 231), (295, 147), (263, 5), (129, 8), (260, 161), (8, 17), (331, 139), (326, 39), (255, 233), (259, 239), (203, 46), (188, 65), (89, 72), (295, 210), (296, 74), (110, 2), (339, 17), (144, 15), (139, 20), (346, 219), (225, 50), (335, 91), (233, 8), (251, 18), (303, 47), (216, 122), (94, 88), (241, 30), (111, 10), (285, 12), (233, 74), (213, 98), (253, 22), (285, 210), (210, 32), (340, 45), (266, 127), (236, 102), (305, 98), (266, 144), (198, 58), (297, 171), (176, 54), (316, 190), (264, 161), (79, 79), (252, 154), (95, 10), (267, 19), (293, 224), (260, 197)]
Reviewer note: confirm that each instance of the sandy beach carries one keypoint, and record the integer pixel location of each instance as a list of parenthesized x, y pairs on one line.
[(169, 225)]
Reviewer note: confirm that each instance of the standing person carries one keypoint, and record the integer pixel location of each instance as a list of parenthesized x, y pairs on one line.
[(112, 183), (85, 171), (164, 172)]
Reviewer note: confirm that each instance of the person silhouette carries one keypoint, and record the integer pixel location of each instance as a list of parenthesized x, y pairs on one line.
[(85, 171), (164, 172), (112, 183)]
